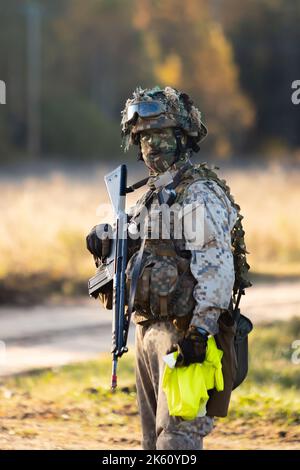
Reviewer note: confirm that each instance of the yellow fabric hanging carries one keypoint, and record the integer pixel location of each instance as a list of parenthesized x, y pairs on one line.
[(186, 387)]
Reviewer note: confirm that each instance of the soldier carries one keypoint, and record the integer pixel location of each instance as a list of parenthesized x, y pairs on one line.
[(183, 282)]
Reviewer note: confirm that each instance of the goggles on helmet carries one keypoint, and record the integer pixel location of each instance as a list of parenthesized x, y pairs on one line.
[(145, 109)]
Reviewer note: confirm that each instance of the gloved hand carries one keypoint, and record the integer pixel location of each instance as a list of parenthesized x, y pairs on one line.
[(192, 348), (98, 241)]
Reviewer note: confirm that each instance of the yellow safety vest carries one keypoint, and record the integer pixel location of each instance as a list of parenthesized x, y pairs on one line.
[(187, 388)]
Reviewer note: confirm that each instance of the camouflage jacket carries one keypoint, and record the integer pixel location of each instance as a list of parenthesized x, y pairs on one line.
[(212, 260), (210, 256)]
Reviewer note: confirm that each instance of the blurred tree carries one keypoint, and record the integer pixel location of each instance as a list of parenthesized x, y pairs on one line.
[(13, 72), (98, 56), (101, 53), (189, 51), (265, 35), (95, 53), (74, 127)]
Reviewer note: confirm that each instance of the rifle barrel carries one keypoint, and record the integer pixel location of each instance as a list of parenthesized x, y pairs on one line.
[(114, 378)]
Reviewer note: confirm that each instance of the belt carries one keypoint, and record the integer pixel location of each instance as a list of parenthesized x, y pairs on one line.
[(180, 323)]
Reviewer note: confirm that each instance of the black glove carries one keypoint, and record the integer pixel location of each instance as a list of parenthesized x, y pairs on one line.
[(192, 348), (98, 241)]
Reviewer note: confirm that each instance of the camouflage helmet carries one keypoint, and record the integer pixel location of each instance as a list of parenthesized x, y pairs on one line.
[(158, 108)]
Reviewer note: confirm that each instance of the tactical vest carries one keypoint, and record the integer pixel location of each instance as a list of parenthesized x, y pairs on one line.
[(165, 285)]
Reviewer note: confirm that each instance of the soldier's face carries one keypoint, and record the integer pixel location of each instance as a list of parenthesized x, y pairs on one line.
[(158, 148)]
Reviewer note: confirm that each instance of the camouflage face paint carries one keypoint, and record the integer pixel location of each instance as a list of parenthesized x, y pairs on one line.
[(158, 148)]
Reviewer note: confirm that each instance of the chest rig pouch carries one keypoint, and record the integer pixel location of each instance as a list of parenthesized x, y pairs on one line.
[(165, 284)]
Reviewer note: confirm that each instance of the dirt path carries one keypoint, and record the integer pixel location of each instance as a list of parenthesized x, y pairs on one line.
[(52, 335), (32, 434)]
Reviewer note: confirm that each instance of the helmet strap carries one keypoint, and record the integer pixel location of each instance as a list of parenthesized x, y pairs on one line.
[(179, 147), (140, 154)]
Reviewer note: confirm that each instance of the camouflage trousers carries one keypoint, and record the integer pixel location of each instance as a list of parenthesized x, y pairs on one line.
[(160, 430)]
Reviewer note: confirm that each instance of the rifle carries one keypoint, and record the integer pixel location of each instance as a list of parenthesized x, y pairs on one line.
[(113, 267)]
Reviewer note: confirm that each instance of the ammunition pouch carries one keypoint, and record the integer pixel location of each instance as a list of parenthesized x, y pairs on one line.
[(165, 284), (232, 339), (218, 402), (243, 328)]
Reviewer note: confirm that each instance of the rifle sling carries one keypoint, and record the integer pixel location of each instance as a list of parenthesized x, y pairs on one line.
[(137, 185), (137, 266), (134, 280)]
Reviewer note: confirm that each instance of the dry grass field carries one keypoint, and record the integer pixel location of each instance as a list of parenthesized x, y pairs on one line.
[(44, 222), (270, 202)]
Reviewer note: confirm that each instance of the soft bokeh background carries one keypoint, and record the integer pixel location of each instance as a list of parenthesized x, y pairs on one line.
[(69, 67)]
